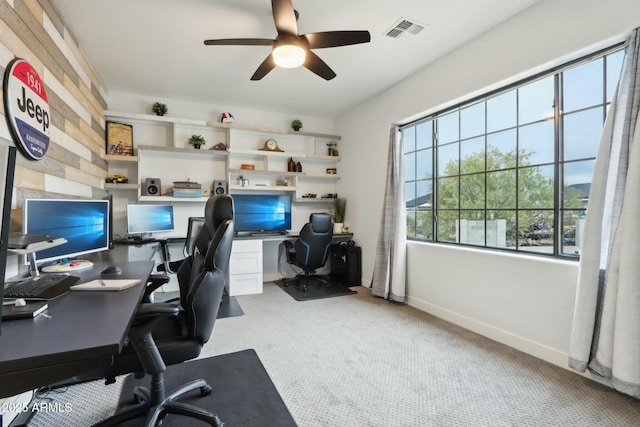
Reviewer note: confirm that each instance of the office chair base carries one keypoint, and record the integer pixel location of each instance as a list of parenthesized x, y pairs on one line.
[(156, 412), (305, 281)]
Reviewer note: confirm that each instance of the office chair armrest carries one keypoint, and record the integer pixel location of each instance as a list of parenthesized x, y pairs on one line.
[(155, 311), (155, 281)]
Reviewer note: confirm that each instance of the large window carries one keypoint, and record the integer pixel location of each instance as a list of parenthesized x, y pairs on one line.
[(512, 170)]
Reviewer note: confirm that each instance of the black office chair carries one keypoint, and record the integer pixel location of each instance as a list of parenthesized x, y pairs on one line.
[(311, 250), (197, 237), (165, 334), (193, 239)]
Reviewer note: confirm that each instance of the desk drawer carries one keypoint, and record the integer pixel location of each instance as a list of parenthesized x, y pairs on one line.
[(241, 246), (245, 284), (246, 262)]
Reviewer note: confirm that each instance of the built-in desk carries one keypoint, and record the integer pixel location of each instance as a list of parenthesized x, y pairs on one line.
[(79, 332), (255, 259)]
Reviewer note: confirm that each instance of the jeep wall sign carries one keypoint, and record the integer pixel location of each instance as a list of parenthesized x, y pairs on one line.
[(27, 108)]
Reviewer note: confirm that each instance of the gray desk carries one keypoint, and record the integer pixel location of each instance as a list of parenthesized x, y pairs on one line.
[(84, 331)]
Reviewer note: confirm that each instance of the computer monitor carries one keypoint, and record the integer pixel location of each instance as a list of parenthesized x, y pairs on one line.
[(262, 212), (83, 223), (7, 164), (146, 218), (110, 199)]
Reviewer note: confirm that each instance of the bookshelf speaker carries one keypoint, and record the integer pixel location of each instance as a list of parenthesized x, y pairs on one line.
[(152, 187), (219, 187)]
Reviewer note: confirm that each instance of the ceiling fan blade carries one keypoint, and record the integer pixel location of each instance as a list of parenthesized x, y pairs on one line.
[(316, 65), (239, 42), (336, 38), (284, 17), (267, 65)]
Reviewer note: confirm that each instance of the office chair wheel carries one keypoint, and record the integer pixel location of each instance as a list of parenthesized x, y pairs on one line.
[(206, 390)]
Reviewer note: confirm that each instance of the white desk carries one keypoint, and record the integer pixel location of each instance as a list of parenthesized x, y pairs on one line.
[(254, 260)]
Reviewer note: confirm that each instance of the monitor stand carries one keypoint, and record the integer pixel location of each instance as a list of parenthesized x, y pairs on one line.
[(65, 267)]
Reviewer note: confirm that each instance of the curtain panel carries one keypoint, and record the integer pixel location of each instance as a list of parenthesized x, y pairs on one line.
[(605, 337), (389, 272)]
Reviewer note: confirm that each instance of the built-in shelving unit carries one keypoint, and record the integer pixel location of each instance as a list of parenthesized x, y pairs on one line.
[(161, 152)]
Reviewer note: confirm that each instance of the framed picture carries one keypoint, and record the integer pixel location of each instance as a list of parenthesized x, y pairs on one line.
[(119, 139)]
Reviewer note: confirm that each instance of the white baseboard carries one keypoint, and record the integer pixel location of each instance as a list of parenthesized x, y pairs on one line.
[(525, 345)]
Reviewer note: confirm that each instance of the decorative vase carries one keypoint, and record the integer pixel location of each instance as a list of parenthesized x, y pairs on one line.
[(337, 227), (197, 147)]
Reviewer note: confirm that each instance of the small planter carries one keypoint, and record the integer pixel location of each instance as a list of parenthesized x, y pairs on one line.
[(197, 141), (159, 108), (296, 125)]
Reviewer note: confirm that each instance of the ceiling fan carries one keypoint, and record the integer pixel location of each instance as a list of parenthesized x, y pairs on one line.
[(289, 49)]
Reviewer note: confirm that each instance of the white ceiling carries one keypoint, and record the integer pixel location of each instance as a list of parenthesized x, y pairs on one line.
[(155, 47)]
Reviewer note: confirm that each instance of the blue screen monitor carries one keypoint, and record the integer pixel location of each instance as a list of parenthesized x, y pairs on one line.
[(143, 219), (83, 223), (262, 212)]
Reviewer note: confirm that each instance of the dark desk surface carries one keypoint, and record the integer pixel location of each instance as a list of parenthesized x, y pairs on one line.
[(84, 330)]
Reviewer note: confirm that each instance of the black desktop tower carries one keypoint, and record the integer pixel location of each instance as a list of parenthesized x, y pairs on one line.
[(346, 264)]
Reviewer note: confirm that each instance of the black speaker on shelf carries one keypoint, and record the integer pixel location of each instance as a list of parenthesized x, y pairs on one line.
[(152, 187), (219, 187)]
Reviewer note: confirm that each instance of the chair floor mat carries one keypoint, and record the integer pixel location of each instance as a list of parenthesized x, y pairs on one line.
[(315, 290), (243, 393)]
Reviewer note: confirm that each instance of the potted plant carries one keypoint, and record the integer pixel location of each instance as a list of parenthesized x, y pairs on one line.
[(197, 141), (338, 215), (296, 125), (159, 108)]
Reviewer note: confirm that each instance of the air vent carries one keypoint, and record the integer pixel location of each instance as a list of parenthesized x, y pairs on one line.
[(404, 25)]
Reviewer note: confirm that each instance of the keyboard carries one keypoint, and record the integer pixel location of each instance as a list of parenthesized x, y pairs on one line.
[(45, 287)]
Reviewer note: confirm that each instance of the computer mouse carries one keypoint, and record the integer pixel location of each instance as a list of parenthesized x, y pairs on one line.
[(113, 269), (20, 302)]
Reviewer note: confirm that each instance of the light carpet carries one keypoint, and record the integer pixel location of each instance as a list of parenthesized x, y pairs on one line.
[(362, 361)]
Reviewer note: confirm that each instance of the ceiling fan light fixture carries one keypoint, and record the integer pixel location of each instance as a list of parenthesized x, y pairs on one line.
[(288, 55)]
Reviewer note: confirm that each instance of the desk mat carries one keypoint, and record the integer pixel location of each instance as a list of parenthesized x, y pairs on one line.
[(243, 393), (315, 290)]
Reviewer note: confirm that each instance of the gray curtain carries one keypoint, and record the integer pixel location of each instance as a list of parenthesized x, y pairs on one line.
[(606, 325), (389, 271)]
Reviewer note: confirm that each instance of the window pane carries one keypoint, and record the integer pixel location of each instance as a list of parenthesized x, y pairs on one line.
[(424, 135), (425, 164), (536, 144), (411, 223), (535, 187), (410, 166), (471, 227), (535, 101), (447, 221), (501, 112), (501, 229), (501, 189), (410, 192), (583, 86), (448, 160), (614, 67), (448, 128), (424, 194), (582, 132), (536, 231), (572, 232), (577, 183), (448, 193), (472, 155), (409, 139), (424, 224), (472, 191), (472, 121), (501, 150)]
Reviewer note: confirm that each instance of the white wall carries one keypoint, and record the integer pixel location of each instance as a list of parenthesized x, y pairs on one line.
[(526, 302), (132, 103)]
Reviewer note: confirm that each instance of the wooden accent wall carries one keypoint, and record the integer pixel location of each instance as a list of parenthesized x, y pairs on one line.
[(73, 167)]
